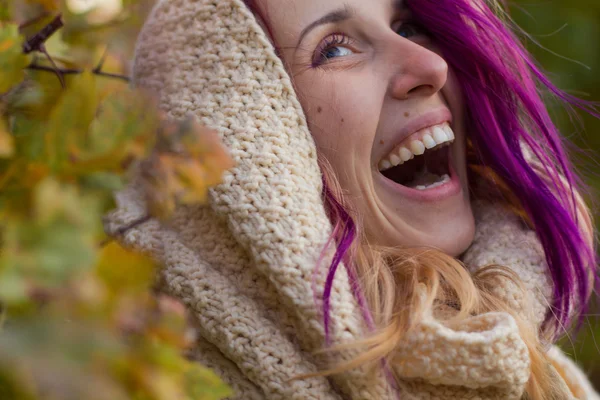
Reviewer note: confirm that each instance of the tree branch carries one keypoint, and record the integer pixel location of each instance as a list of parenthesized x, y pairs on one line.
[(36, 42)]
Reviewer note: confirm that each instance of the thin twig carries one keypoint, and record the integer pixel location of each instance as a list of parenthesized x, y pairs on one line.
[(134, 224), (35, 42), (109, 75), (101, 62), (60, 77), (63, 71), (73, 71), (123, 230), (98, 69)]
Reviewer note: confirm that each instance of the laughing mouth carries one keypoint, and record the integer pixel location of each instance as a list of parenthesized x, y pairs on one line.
[(422, 161)]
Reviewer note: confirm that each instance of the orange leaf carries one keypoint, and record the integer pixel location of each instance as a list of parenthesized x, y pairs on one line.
[(7, 143)]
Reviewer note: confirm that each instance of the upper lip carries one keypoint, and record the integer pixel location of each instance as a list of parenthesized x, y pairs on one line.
[(429, 119)]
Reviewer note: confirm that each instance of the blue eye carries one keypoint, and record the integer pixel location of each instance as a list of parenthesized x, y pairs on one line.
[(334, 46), (337, 51), (409, 29)]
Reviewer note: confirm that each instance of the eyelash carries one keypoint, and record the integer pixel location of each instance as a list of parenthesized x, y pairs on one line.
[(333, 40), (339, 39)]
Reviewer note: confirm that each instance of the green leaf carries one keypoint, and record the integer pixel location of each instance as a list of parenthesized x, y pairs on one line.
[(122, 130), (70, 120), (203, 384), (104, 181), (12, 59), (56, 243)]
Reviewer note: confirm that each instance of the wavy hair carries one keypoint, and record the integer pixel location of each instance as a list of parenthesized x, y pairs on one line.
[(514, 144)]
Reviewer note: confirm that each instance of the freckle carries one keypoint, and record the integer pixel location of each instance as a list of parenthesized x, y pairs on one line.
[(407, 114), (381, 142), (342, 119), (319, 109)]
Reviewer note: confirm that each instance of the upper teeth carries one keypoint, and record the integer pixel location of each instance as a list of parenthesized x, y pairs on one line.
[(417, 145)]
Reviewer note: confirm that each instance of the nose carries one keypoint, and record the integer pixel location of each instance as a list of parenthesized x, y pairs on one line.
[(416, 70)]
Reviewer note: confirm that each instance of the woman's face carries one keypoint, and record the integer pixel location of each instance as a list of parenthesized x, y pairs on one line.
[(385, 112)]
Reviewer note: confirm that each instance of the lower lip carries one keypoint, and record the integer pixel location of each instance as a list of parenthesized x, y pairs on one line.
[(443, 192)]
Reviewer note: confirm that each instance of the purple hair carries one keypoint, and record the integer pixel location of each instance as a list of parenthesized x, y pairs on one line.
[(344, 233), (502, 87)]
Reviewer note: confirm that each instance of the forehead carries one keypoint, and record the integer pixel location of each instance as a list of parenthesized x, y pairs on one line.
[(290, 17)]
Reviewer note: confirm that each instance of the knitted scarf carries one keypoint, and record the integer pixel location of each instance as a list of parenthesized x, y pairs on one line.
[(244, 263)]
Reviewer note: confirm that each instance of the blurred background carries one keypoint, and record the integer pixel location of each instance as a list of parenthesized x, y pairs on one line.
[(563, 35)]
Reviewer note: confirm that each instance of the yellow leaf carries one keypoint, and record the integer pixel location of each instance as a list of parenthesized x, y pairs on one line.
[(7, 143), (194, 180), (6, 44), (124, 270), (188, 160), (67, 126), (204, 384), (33, 173), (122, 130), (12, 59)]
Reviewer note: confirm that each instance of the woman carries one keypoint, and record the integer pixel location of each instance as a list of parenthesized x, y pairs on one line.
[(435, 150)]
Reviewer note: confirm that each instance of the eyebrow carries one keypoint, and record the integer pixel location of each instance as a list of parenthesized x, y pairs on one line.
[(339, 15)]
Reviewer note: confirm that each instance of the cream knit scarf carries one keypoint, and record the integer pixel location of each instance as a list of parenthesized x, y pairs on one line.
[(243, 264)]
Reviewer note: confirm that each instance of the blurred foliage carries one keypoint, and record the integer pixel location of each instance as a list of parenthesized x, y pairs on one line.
[(78, 319), (564, 37)]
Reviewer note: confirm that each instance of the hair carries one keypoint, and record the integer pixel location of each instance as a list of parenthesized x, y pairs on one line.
[(513, 144)]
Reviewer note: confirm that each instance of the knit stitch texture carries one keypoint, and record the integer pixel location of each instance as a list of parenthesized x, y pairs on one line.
[(244, 263)]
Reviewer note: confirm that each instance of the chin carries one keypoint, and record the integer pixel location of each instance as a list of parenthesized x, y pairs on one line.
[(455, 240), (450, 229)]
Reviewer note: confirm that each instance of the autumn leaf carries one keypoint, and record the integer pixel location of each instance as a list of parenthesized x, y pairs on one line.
[(7, 145), (70, 120), (205, 385), (122, 130), (124, 270), (187, 161), (81, 319), (35, 97), (57, 242), (12, 59)]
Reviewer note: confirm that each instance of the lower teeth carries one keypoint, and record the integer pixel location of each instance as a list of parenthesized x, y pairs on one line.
[(443, 179)]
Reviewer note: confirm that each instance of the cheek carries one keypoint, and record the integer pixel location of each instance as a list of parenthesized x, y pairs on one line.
[(454, 97), (343, 113)]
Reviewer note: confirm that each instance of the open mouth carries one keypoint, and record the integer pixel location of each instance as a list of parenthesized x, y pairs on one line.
[(422, 162)]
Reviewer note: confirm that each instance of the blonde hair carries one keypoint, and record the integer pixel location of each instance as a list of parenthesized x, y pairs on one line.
[(403, 286)]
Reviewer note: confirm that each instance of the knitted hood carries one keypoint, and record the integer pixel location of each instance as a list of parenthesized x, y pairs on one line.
[(244, 264)]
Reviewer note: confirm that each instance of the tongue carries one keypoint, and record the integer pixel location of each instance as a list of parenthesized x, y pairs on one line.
[(423, 170), (424, 177)]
